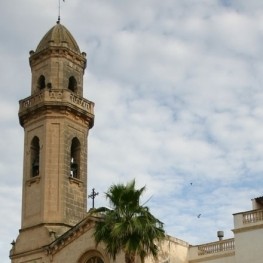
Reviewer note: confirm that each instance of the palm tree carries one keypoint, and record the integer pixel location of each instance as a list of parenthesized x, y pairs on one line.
[(128, 226)]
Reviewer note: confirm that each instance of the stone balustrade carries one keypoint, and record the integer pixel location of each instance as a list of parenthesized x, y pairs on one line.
[(215, 247), (248, 218), (212, 250), (53, 95), (253, 216)]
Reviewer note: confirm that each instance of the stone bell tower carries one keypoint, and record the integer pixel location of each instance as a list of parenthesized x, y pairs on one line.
[(56, 121)]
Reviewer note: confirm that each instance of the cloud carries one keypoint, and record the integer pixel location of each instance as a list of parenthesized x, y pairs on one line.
[(178, 104)]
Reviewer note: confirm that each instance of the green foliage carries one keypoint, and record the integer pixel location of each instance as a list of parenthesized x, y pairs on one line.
[(128, 226)]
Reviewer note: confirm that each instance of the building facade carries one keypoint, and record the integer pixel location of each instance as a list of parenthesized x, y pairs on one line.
[(55, 225)]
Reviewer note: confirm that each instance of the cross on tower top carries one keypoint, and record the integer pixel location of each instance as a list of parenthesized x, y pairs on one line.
[(59, 11)]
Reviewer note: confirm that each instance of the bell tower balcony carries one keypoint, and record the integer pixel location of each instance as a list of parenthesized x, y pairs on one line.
[(63, 100)]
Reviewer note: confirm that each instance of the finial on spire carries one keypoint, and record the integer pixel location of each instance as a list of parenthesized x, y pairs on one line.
[(59, 11)]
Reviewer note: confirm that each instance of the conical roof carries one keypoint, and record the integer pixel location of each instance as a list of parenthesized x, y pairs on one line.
[(58, 35)]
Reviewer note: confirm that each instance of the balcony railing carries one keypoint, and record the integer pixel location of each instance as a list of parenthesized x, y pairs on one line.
[(64, 96), (215, 247), (252, 216)]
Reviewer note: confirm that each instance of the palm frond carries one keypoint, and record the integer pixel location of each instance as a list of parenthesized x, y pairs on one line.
[(128, 226)]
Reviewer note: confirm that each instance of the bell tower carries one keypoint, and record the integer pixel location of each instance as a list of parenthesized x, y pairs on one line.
[(56, 121)]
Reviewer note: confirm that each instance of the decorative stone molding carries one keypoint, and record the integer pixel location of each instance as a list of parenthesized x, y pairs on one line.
[(35, 179), (73, 180)]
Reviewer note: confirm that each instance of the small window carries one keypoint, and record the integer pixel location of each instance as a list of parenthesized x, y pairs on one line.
[(41, 84), (75, 158), (72, 84), (35, 149)]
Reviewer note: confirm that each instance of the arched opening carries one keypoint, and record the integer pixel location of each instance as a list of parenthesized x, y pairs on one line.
[(41, 84), (93, 256), (72, 84), (35, 153), (95, 260), (75, 158)]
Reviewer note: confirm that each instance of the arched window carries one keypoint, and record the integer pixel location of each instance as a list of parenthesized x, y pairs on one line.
[(92, 256), (35, 149), (41, 84), (74, 158), (95, 260), (72, 84)]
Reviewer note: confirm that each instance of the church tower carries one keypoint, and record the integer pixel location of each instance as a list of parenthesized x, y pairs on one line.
[(56, 121)]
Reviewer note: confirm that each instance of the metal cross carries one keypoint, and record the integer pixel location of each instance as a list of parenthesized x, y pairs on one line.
[(93, 195)]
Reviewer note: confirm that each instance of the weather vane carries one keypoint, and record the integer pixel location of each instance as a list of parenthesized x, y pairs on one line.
[(93, 195), (59, 10)]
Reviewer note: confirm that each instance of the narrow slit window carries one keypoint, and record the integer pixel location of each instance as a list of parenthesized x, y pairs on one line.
[(41, 84), (72, 84), (75, 158), (35, 153)]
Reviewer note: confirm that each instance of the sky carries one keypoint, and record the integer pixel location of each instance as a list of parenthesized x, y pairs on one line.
[(177, 86)]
